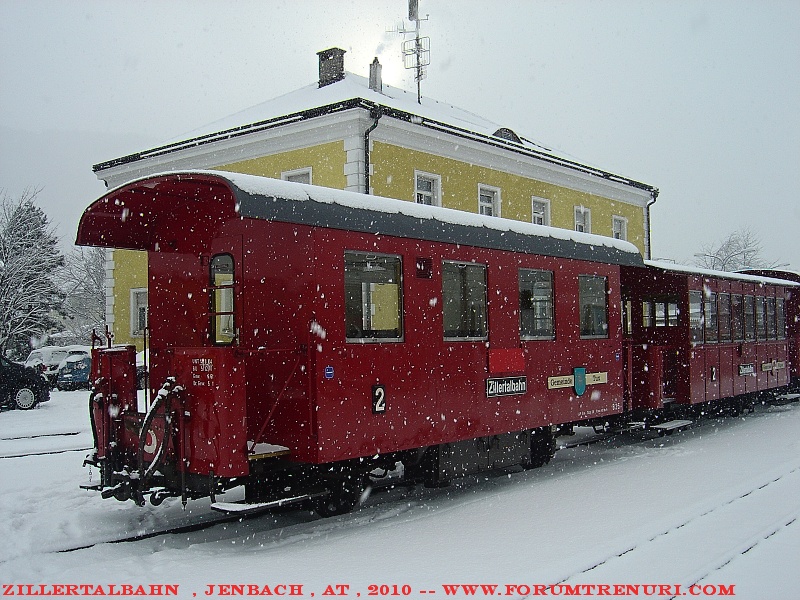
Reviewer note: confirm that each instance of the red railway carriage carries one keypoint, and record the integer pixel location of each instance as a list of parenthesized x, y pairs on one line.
[(694, 336), (302, 337), (792, 318)]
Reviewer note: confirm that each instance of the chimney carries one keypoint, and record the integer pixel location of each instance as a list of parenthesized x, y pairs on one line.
[(375, 81), (331, 66)]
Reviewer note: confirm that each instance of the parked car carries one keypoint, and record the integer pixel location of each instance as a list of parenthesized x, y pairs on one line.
[(75, 370), (21, 387), (48, 358)]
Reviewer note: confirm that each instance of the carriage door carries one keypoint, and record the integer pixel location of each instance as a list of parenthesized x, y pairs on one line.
[(225, 287)]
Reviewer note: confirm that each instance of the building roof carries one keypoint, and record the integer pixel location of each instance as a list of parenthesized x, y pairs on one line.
[(353, 91)]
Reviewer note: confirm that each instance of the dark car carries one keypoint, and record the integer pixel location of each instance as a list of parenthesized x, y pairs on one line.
[(20, 386)]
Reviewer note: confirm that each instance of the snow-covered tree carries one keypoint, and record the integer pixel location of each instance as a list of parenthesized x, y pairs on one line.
[(30, 299), (740, 250), (83, 283)]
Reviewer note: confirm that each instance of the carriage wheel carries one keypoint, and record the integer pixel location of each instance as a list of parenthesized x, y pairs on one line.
[(345, 486), (543, 447)]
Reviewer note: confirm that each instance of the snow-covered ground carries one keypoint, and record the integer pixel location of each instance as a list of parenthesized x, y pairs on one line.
[(714, 505)]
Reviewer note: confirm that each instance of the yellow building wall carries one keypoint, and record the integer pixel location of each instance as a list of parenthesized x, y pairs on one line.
[(326, 162), (393, 176), (130, 272)]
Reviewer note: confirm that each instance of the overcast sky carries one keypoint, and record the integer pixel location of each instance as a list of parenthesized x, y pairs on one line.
[(699, 98)]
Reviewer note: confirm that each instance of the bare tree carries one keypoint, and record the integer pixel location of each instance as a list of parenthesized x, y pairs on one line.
[(83, 283), (30, 300), (740, 250)]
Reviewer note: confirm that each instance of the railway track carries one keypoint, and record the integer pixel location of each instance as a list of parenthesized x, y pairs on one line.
[(43, 451), (708, 541), (414, 498)]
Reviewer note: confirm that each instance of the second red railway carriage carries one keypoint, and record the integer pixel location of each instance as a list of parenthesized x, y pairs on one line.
[(694, 336), (303, 337)]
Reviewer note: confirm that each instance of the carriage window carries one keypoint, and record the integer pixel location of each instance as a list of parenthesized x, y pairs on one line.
[(737, 317), (780, 316), (712, 323), (661, 314), (647, 314), (772, 326), (536, 305), (696, 316), (672, 313), (627, 317), (373, 298), (724, 317), (749, 318), (593, 306), (464, 299), (761, 318), (221, 284)]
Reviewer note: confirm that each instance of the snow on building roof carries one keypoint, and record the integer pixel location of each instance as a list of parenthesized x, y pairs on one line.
[(354, 91)]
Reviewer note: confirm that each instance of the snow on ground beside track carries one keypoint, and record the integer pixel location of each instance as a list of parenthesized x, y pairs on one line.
[(713, 504)]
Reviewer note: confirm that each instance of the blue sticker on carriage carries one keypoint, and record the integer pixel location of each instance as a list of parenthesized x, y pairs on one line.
[(329, 372), (579, 373)]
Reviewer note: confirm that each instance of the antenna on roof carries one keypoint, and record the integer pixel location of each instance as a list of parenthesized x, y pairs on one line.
[(417, 50)]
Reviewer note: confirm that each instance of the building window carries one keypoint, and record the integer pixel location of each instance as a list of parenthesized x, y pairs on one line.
[(536, 305), (696, 324), (427, 189), (298, 175), (138, 312), (540, 211), (619, 228), (583, 219), (593, 306), (221, 288), (464, 300), (489, 201), (373, 297)]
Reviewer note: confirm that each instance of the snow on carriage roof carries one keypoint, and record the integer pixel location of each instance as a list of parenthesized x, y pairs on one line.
[(264, 186), (668, 266)]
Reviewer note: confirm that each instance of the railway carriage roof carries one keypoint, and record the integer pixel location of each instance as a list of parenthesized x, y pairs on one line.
[(746, 277), (275, 200)]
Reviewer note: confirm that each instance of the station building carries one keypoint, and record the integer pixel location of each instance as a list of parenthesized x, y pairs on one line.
[(355, 133)]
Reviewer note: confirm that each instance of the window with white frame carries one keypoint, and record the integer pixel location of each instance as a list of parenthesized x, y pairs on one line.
[(298, 175), (427, 188), (583, 219), (138, 311), (619, 228), (488, 201), (540, 211)]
